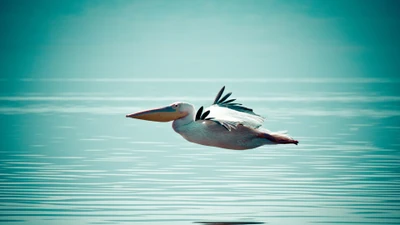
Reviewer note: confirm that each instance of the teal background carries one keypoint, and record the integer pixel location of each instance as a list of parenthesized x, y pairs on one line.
[(92, 39), (326, 71)]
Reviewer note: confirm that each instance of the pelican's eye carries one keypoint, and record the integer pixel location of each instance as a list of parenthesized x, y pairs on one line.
[(174, 106)]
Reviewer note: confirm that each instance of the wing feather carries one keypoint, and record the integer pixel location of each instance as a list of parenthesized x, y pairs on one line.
[(225, 97), (199, 112), (205, 114), (229, 114), (219, 95), (234, 116)]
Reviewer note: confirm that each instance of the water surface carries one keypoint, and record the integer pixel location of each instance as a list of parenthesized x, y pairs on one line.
[(69, 155)]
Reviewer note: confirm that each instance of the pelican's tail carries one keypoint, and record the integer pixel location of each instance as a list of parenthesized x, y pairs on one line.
[(279, 137)]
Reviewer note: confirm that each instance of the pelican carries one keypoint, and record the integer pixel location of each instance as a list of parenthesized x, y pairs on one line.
[(225, 124)]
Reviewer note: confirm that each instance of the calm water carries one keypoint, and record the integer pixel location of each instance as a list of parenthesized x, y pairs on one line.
[(69, 155)]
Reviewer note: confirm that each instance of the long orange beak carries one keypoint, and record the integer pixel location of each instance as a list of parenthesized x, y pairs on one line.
[(164, 114)]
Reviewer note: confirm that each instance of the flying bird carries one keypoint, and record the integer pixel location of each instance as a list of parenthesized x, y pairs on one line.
[(225, 124)]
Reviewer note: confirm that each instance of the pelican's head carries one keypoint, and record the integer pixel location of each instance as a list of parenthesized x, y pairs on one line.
[(174, 111)]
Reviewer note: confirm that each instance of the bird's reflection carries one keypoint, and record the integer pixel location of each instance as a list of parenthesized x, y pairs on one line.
[(229, 223)]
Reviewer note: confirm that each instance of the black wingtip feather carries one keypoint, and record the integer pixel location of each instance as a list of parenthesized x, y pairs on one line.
[(205, 114), (199, 112), (230, 100), (225, 97), (219, 95), (229, 103)]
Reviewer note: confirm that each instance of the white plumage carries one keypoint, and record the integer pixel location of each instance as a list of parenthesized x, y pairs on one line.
[(225, 124), (233, 117)]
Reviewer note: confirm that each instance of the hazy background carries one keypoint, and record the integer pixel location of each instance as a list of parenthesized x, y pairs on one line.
[(327, 71), (208, 39)]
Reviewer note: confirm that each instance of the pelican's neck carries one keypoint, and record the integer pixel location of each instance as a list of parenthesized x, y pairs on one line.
[(180, 123)]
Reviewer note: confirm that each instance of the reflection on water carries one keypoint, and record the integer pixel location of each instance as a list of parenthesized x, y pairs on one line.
[(71, 157)]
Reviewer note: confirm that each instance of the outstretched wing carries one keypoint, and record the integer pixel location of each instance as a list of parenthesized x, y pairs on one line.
[(229, 113)]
